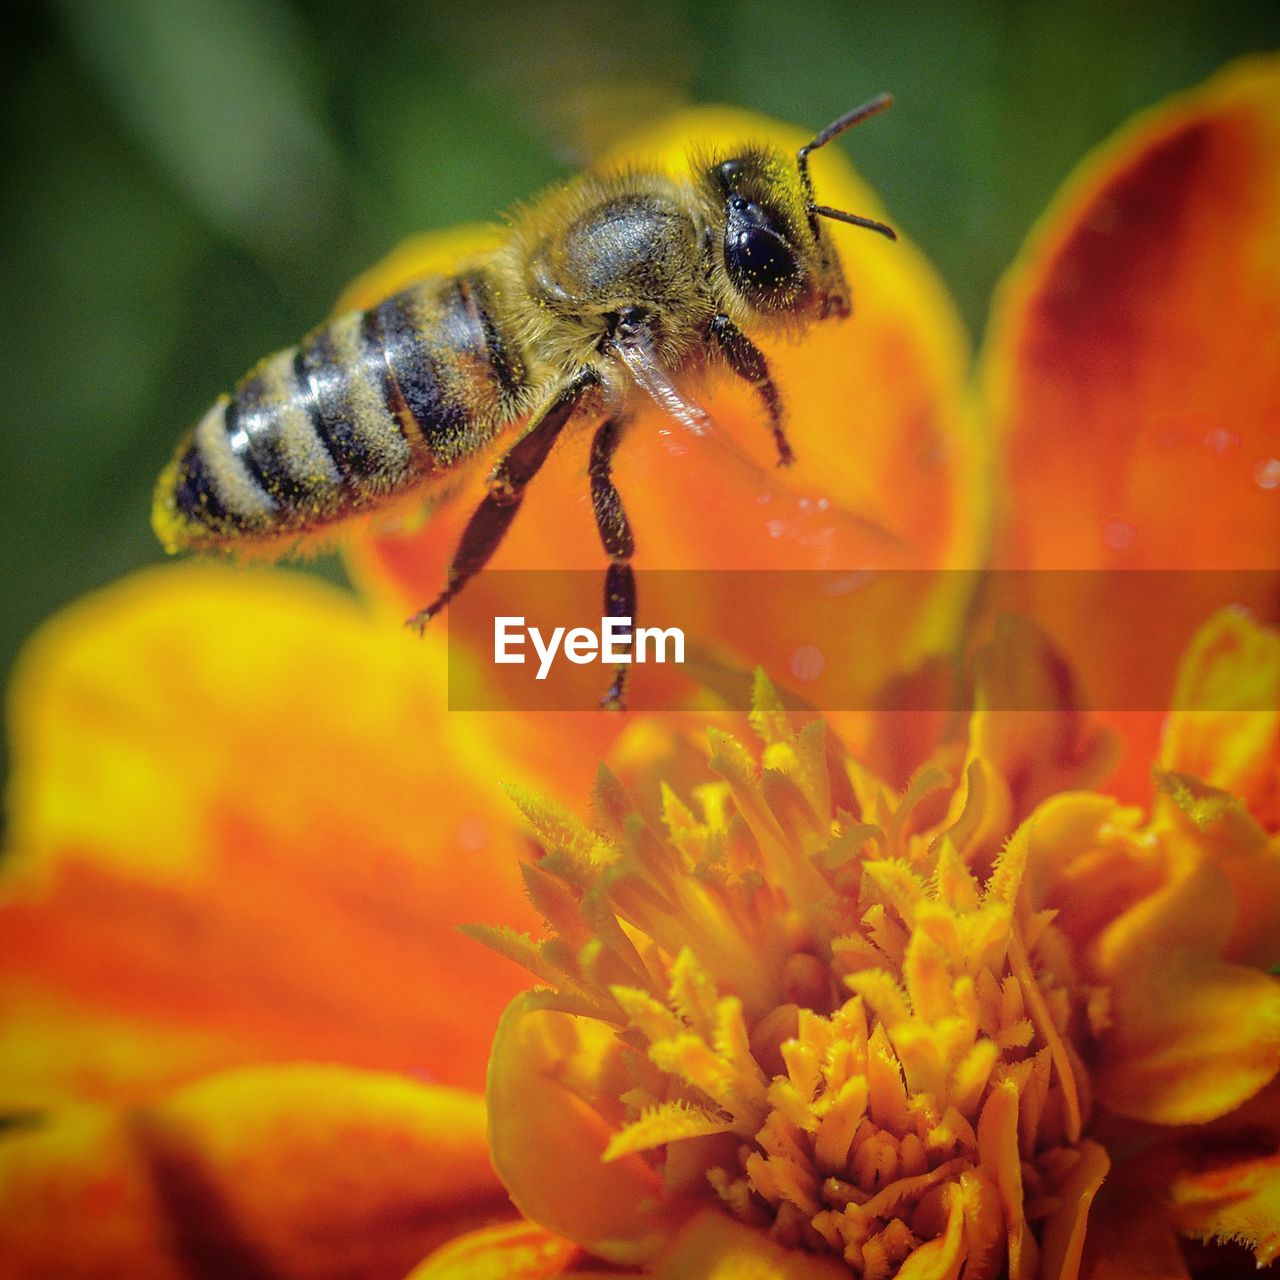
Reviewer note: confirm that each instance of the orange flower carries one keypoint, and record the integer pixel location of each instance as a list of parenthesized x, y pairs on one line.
[(241, 840), (241, 1037), (804, 1021)]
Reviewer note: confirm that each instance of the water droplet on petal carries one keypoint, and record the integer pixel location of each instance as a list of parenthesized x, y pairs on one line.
[(1266, 475), (1119, 534), (1220, 440), (808, 662)]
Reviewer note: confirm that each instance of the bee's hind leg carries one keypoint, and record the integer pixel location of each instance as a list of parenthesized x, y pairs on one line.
[(748, 362), (507, 482), (615, 534)]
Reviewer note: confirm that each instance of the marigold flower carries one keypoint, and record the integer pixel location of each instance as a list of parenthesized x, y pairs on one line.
[(1001, 1021), (888, 1031)]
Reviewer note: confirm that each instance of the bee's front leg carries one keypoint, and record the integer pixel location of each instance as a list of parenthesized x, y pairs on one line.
[(748, 362)]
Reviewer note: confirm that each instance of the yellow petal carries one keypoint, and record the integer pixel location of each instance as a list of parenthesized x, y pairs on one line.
[(307, 1172), (1225, 834), (513, 1251), (1231, 676), (1064, 1232), (1191, 1039), (554, 1084)]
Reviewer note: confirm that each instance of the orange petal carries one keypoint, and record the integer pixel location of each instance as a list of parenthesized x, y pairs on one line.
[(943, 1257), (1191, 1039), (513, 1251), (714, 1246), (888, 472), (554, 1083), (1131, 371), (242, 823), (307, 1172), (1131, 375), (998, 1151)]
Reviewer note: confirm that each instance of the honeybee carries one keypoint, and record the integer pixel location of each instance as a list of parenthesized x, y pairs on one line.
[(610, 287)]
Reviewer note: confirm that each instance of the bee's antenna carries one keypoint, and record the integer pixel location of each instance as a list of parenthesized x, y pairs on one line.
[(834, 130)]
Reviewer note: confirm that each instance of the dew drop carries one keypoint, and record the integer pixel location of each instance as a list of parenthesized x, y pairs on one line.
[(1119, 534), (1220, 440), (808, 662), (1266, 474)]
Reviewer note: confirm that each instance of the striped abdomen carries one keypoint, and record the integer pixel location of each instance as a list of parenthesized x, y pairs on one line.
[(364, 408)]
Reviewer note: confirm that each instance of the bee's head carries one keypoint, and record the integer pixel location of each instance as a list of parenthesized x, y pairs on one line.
[(775, 254)]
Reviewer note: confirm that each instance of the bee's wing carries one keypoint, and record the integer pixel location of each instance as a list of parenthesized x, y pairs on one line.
[(636, 352)]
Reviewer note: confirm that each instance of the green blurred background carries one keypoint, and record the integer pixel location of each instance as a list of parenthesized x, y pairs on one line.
[(189, 183)]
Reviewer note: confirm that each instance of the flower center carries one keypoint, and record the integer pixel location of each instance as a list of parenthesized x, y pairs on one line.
[(835, 1027)]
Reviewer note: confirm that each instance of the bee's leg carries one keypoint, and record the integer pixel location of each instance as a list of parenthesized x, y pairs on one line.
[(507, 482), (748, 362), (615, 534)]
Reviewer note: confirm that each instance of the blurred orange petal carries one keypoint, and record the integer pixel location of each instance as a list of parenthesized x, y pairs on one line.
[(242, 825), (1132, 382), (889, 470), (311, 1172), (1132, 370)]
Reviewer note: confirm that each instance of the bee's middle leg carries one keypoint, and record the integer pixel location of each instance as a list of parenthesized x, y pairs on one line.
[(615, 535), (507, 482), (748, 362)]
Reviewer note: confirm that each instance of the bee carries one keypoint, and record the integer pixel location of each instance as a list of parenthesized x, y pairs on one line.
[(609, 288)]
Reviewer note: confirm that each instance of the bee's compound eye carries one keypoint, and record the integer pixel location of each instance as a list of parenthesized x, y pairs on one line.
[(757, 255)]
